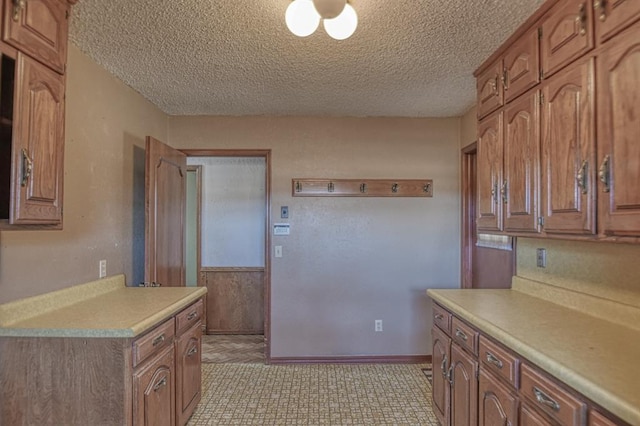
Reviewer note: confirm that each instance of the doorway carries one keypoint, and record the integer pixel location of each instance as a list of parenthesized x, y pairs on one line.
[(488, 261), (230, 254)]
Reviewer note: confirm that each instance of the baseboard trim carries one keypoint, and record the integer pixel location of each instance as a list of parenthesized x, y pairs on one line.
[(382, 359)]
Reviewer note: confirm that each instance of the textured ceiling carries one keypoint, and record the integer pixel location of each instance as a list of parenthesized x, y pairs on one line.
[(410, 58)]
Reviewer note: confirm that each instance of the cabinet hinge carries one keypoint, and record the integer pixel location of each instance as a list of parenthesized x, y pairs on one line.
[(541, 74), (541, 99), (541, 220), (66, 15), (540, 33), (477, 374)]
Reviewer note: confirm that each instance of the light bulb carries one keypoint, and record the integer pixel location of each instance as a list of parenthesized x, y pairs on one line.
[(329, 9), (343, 26), (301, 18)]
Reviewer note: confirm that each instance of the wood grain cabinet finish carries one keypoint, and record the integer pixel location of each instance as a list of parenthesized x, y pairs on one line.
[(188, 373), (442, 318), (611, 16), (38, 145), (530, 417), (489, 175), (521, 66), (38, 28), (500, 362), (568, 151), (490, 90), (619, 134), (598, 419), (497, 406), (154, 391), (441, 356), (464, 388), (520, 189), (567, 34)]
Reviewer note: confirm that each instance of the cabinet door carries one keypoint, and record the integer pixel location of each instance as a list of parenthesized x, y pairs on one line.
[(38, 141), (490, 93), (497, 406), (619, 130), (529, 417), (464, 388), (39, 28), (613, 16), (188, 373), (522, 66), (154, 391), (522, 164), (568, 160), (597, 419), (489, 175), (567, 34), (441, 356)]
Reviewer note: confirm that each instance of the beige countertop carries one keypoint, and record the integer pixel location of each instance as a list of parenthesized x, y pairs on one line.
[(598, 358), (104, 308)]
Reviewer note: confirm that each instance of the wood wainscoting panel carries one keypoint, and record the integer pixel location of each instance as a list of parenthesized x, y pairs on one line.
[(235, 300)]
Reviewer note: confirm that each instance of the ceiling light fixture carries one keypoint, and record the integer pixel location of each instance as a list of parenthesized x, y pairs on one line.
[(339, 18)]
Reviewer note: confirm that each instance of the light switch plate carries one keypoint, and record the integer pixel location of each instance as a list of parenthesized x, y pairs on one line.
[(284, 212)]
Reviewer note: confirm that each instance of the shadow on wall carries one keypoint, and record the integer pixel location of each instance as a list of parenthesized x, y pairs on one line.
[(137, 203)]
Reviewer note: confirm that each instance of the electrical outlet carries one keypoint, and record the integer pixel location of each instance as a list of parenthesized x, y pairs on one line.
[(102, 269), (378, 325), (541, 258), (284, 212)]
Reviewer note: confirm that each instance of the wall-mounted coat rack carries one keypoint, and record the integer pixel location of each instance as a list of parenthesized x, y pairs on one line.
[(362, 188)]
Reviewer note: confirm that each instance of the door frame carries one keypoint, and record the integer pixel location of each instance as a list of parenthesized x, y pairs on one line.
[(468, 198), (266, 154)]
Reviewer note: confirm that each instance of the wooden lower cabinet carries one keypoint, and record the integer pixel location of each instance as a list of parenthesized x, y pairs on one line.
[(188, 373), (464, 388), (154, 391), (497, 406), (529, 417), (440, 358)]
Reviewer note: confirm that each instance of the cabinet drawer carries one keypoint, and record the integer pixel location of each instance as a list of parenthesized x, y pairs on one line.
[(551, 398), (499, 361), (188, 317), (153, 342), (442, 318), (464, 335)]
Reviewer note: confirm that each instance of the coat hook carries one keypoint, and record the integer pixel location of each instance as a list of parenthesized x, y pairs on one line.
[(427, 188), (363, 188), (298, 186), (394, 188), (330, 187)]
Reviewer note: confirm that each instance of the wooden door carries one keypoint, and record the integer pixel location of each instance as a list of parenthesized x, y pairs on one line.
[(496, 405), (567, 34), (522, 65), (490, 179), (612, 16), (522, 164), (619, 130), (153, 391), (165, 210), (39, 28), (464, 388), (441, 356), (38, 142), (530, 417), (188, 373), (568, 160), (489, 87)]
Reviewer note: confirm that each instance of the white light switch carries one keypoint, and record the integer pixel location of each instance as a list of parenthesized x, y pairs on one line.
[(278, 250)]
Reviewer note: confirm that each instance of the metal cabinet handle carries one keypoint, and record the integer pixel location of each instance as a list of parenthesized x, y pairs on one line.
[(545, 399), (450, 375), (192, 315), (494, 193), (582, 19), (439, 316), (18, 6), (162, 382), (460, 334), (495, 86), (443, 367), (581, 177), (491, 358), (192, 351), (601, 5), (27, 167), (505, 79), (604, 174), (503, 192), (158, 340)]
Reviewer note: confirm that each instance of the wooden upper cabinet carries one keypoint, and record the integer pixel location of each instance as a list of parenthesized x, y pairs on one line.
[(612, 16), (441, 360), (619, 135), (521, 66), (567, 34), (490, 93), (496, 405), (464, 388), (38, 142), (490, 181), (522, 164), (39, 28), (568, 151)]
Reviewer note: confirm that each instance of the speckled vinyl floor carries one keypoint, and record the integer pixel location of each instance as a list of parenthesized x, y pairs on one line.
[(360, 394)]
